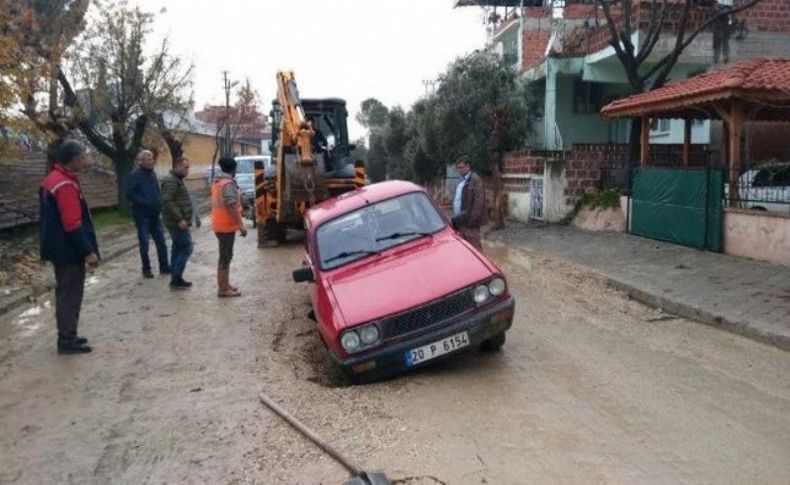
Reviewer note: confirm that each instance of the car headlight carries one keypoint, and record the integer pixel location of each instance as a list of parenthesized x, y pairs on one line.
[(496, 286), (350, 341), (480, 294), (369, 334)]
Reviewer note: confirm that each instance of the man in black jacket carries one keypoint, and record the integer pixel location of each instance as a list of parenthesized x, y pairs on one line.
[(143, 192), (68, 240)]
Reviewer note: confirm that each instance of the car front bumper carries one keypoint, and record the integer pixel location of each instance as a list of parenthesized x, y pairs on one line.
[(390, 359)]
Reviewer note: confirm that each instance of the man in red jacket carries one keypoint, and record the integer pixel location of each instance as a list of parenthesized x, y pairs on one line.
[(68, 240)]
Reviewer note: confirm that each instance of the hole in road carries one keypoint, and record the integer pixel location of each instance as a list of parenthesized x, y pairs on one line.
[(311, 360)]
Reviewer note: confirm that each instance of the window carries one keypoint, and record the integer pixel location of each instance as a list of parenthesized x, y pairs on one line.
[(776, 176), (587, 97), (660, 125)]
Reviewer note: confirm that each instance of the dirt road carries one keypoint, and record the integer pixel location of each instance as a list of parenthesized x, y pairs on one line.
[(589, 388)]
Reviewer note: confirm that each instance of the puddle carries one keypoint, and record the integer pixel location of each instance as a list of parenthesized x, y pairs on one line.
[(28, 322)]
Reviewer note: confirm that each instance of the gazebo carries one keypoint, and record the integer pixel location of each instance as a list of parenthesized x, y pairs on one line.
[(754, 90)]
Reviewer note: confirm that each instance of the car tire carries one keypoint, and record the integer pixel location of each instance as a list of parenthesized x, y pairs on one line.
[(279, 232), (494, 344)]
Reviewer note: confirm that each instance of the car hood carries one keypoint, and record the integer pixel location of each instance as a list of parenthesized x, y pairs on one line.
[(405, 277)]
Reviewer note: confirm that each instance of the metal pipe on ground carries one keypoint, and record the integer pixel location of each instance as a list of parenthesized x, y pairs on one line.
[(358, 476)]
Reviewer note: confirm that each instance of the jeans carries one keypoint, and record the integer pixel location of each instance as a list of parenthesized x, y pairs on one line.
[(182, 250), (70, 285), (151, 225)]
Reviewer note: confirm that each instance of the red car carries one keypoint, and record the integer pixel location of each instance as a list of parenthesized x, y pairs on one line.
[(394, 286)]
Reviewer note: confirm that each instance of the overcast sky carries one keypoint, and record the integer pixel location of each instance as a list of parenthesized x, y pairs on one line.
[(353, 49)]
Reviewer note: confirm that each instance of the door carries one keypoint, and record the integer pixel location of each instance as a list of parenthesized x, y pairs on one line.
[(536, 198)]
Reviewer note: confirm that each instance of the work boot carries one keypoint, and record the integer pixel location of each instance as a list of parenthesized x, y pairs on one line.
[(223, 287), (231, 285), (72, 346), (180, 284)]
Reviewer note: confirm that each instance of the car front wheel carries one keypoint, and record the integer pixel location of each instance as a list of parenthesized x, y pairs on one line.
[(494, 344)]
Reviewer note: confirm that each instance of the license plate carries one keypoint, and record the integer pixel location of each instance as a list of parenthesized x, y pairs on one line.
[(436, 349)]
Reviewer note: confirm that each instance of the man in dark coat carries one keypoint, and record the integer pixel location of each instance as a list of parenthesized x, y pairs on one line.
[(469, 204), (68, 240), (177, 213), (144, 194)]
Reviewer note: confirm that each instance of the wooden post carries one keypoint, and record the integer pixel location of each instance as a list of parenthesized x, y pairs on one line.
[(686, 141), (644, 153), (736, 132)]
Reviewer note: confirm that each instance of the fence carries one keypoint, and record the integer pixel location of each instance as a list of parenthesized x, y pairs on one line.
[(760, 186)]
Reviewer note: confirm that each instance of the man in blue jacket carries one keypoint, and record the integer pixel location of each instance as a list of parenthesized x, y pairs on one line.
[(68, 240), (143, 192)]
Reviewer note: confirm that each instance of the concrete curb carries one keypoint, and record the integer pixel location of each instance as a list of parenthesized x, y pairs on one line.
[(695, 313), (678, 308)]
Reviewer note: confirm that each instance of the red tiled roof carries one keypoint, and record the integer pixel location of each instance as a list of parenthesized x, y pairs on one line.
[(761, 81)]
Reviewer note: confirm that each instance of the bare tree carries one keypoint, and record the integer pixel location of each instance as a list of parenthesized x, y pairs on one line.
[(652, 19), (115, 92)]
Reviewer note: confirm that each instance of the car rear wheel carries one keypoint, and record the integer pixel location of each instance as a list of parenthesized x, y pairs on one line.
[(494, 344)]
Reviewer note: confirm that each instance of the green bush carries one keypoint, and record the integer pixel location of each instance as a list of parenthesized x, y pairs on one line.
[(606, 199)]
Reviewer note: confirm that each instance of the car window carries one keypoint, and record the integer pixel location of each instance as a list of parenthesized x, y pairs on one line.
[(245, 179), (375, 228), (772, 177)]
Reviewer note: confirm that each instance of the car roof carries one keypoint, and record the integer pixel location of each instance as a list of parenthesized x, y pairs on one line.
[(349, 201), (253, 157)]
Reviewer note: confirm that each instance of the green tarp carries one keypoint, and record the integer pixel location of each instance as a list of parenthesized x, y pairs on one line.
[(679, 206)]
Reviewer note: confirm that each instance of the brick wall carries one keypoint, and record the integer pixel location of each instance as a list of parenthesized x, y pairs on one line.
[(593, 35), (535, 42), (583, 170), (767, 16), (585, 165), (21, 177)]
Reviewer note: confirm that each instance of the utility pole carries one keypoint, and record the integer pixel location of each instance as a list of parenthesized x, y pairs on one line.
[(227, 86)]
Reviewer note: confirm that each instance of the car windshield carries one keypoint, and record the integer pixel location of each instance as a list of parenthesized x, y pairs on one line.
[(245, 180), (376, 227), (245, 166)]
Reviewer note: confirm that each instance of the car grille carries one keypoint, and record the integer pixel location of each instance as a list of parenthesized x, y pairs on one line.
[(428, 315)]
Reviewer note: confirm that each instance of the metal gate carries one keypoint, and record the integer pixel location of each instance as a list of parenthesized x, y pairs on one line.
[(683, 206), (536, 198)]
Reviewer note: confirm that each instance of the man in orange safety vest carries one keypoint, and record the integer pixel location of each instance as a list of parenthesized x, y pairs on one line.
[(226, 219)]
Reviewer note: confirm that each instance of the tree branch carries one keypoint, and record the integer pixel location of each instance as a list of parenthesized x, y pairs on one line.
[(626, 61), (653, 31), (85, 126), (140, 124), (685, 43)]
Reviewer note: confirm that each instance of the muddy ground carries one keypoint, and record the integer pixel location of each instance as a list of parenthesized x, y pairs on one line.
[(590, 388)]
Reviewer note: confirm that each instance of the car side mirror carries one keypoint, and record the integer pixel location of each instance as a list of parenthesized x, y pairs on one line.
[(304, 274), (460, 220)]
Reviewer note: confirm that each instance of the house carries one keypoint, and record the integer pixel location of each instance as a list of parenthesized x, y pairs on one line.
[(201, 144), (562, 48)]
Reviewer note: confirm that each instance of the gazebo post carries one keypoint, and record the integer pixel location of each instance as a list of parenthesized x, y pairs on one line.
[(736, 132), (644, 152), (686, 141)]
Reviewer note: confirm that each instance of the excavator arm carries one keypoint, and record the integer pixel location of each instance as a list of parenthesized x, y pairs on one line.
[(295, 130)]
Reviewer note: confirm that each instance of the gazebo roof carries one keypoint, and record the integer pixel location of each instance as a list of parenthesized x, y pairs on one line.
[(762, 84)]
